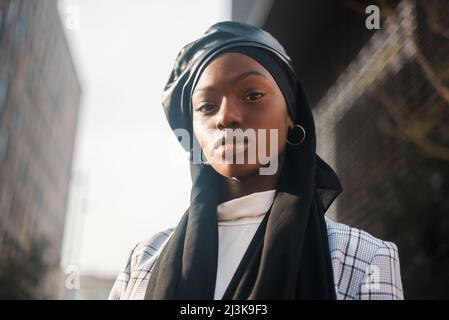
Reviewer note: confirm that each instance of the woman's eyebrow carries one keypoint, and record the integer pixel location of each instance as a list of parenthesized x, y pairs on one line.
[(247, 74), (237, 78)]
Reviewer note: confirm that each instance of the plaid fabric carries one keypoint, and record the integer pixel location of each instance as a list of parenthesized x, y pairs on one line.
[(364, 267)]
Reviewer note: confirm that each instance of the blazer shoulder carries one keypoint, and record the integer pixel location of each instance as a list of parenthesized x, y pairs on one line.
[(151, 246), (357, 258), (132, 280), (342, 236)]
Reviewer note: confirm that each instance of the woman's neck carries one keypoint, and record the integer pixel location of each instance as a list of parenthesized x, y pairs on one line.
[(238, 187)]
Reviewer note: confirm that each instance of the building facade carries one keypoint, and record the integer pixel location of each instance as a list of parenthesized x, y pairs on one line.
[(39, 102)]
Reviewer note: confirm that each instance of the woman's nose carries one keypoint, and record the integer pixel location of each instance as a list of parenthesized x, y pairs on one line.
[(229, 115)]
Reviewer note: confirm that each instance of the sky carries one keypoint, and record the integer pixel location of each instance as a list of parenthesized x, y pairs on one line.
[(130, 175)]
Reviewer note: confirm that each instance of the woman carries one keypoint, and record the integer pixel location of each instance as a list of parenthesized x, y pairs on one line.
[(254, 229)]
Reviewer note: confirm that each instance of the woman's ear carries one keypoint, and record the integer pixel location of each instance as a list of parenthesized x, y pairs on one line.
[(289, 122)]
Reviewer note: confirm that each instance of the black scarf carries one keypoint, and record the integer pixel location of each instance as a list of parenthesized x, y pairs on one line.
[(288, 257)]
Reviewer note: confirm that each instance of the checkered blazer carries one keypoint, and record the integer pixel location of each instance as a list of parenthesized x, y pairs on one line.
[(364, 267)]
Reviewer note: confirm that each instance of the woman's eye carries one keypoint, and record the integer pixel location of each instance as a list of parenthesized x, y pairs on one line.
[(206, 108), (254, 96)]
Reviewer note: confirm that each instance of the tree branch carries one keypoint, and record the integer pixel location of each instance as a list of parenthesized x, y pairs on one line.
[(396, 108)]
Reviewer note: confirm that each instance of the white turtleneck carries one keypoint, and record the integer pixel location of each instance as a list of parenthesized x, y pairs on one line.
[(238, 220)]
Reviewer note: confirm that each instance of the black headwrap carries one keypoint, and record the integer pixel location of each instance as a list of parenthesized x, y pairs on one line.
[(288, 257)]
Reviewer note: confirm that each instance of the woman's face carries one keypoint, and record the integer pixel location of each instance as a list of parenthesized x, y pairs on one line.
[(236, 92)]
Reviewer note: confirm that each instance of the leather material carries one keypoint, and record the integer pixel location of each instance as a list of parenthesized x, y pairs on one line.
[(219, 37)]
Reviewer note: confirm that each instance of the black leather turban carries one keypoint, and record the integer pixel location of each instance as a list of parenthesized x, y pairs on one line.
[(195, 56)]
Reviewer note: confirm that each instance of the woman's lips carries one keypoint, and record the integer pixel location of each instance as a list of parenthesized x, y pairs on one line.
[(231, 149), (223, 140)]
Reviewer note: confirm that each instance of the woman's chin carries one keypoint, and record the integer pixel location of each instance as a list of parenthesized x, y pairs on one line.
[(236, 170)]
